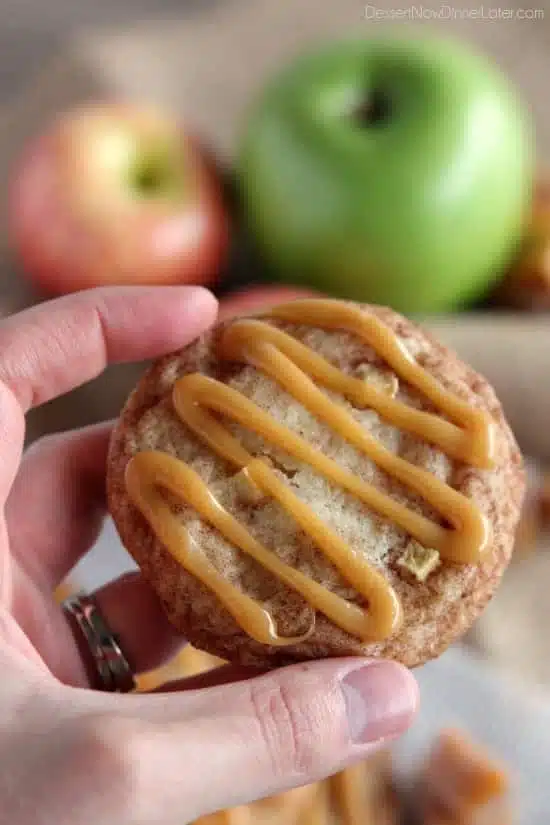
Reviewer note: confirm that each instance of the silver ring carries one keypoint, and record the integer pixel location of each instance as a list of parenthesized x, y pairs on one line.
[(115, 674)]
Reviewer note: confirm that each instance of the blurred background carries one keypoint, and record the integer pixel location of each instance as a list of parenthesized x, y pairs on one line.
[(204, 61), (30, 37)]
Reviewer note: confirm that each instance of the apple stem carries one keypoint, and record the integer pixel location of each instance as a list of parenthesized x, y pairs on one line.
[(373, 110), (147, 179)]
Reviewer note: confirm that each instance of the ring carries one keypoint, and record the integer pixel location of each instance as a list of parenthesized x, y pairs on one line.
[(115, 674)]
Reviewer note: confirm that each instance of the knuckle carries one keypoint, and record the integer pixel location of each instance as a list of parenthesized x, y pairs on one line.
[(294, 723), (48, 443), (45, 444)]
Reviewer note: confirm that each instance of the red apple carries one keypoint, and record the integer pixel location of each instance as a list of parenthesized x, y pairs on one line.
[(258, 298), (117, 194)]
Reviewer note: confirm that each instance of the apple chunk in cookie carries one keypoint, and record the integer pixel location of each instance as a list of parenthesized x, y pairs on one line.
[(322, 479)]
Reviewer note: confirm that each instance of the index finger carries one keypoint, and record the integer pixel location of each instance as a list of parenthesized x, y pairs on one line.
[(52, 348)]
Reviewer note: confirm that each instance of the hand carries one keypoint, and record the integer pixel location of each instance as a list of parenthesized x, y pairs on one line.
[(69, 753)]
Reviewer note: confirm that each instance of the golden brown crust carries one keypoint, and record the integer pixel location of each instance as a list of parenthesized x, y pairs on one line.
[(437, 611)]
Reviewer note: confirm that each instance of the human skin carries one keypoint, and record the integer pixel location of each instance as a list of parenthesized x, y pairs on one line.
[(71, 754)]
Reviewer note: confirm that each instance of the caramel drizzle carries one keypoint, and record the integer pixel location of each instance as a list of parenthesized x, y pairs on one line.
[(467, 436)]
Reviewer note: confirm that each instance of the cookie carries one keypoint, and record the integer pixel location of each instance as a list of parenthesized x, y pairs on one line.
[(321, 480)]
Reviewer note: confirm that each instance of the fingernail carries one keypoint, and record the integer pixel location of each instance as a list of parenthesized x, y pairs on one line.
[(197, 298), (381, 700)]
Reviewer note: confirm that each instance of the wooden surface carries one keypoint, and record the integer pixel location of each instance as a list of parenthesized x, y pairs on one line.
[(206, 65), (32, 31)]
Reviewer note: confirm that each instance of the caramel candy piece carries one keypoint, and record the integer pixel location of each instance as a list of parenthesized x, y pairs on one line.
[(527, 284), (529, 528), (419, 561), (290, 808), (189, 662), (364, 794), (543, 502), (360, 795), (64, 591), (460, 784)]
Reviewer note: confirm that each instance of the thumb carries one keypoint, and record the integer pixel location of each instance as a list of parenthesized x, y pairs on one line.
[(210, 749)]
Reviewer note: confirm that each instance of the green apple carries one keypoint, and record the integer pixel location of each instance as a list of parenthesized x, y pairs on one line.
[(388, 170)]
